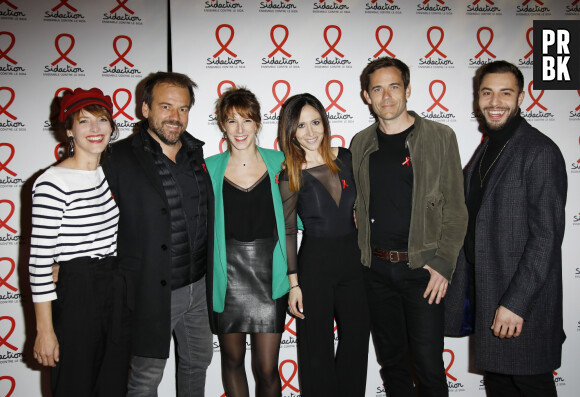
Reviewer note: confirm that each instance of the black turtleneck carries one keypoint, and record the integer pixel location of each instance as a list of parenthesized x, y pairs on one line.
[(497, 140)]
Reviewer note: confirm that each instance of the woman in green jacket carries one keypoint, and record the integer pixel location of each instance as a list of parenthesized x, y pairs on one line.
[(249, 270)]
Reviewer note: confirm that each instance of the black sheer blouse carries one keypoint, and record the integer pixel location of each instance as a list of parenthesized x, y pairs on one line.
[(324, 203)]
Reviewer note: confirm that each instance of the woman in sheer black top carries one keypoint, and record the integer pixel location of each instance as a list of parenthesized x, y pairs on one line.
[(326, 281)]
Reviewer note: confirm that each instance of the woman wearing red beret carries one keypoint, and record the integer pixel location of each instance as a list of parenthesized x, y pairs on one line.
[(82, 322)]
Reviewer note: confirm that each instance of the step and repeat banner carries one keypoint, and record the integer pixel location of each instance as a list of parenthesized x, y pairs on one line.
[(278, 48), (47, 47)]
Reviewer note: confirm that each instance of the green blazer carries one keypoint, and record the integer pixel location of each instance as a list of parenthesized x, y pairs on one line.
[(216, 166)]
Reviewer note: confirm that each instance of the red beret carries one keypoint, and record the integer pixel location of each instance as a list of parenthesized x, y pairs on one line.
[(80, 98)]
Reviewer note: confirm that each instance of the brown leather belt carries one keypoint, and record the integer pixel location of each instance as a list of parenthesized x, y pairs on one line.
[(391, 256)]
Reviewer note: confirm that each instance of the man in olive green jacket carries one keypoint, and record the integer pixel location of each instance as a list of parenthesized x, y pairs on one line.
[(412, 219)]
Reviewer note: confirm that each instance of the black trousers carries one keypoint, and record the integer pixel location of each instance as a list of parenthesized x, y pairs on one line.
[(330, 276), (501, 385), (92, 325), (403, 322)]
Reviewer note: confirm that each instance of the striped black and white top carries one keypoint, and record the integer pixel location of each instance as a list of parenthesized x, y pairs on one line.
[(73, 215)]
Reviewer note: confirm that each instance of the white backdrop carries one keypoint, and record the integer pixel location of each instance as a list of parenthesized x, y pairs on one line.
[(276, 48), (46, 46)]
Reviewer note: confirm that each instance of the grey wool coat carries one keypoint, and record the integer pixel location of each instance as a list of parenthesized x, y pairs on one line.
[(518, 238)]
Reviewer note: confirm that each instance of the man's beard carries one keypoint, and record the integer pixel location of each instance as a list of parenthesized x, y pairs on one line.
[(495, 127), (169, 140)]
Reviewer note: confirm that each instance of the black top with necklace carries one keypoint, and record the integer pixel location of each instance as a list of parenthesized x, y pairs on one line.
[(497, 140)]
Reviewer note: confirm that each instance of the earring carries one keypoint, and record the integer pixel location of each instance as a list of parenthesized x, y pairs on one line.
[(71, 146)]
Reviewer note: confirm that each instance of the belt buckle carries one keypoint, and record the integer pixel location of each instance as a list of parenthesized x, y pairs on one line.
[(392, 257)]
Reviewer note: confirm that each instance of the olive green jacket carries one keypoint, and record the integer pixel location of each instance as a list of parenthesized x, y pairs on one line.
[(438, 214)]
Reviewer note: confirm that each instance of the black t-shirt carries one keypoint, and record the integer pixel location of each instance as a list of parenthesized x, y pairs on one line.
[(391, 186)]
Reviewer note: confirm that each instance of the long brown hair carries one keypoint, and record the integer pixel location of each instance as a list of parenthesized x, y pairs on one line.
[(287, 126)]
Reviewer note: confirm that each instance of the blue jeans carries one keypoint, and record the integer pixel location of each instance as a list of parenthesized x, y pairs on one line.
[(193, 338), (403, 322)]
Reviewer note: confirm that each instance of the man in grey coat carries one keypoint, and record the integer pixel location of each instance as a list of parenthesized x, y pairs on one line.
[(510, 268)]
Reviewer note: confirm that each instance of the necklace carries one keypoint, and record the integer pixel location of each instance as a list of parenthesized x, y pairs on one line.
[(482, 178)]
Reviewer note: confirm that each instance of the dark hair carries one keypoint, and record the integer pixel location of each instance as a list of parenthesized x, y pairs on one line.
[(500, 67), (177, 79), (97, 111), (287, 126), (384, 62)]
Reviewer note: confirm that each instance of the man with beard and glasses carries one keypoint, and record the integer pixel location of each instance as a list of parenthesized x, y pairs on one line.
[(507, 286), (159, 180)]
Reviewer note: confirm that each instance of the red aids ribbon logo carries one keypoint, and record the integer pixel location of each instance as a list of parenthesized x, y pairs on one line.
[(341, 138), (574, 2), (204, 167), (537, 1), (221, 84), (4, 339), (59, 151), (279, 102), (121, 57), (9, 4), (286, 381), (4, 109), (334, 101), (64, 3), (453, 378), (384, 46), (62, 89), (224, 47), (578, 107), (287, 326), (63, 55), (12, 384), (435, 47), (344, 186), (4, 53), (528, 33), (4, 222), (535, 101), (407, 161), (437, 101), (121, 4), (127, 103), (279, 45), (485, 46), (3, 165), (221, 145), (4, 280), (276, 144), (487, 1), (438, 1), (332, 47)]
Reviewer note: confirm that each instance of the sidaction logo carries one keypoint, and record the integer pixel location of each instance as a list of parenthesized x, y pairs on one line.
[(9, 10), (223, 6), (340, 115), (443, 113), (121, 13), (332, 57), (452, 382), (434, 7), (8, 291), (382, 7), (575, 114), (8, 119), (64, 11), (288, 370), (221, 87), (225, 57), (527, 61), (536, 110), (435, 57), (11, 67), (121, 66), (280, 92), (8, 351), (532, 7), (279, 35), (330, 6), (8, 178), (278, 6), (63, 65), (128, 120), (483, 33), (483, 7)]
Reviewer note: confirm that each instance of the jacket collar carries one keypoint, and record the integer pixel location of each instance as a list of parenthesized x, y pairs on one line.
[(190, 143)]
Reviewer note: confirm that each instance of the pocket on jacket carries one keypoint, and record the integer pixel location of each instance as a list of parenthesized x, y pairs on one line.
[(433, 217)]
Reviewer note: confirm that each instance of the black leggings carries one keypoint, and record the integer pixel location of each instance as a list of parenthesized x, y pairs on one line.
[(331, 279), (265, 351)]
